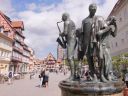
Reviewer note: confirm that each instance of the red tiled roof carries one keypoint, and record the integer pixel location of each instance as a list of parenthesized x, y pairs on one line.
[(6, 18), (18, 24), (50, 56), (9, 22)]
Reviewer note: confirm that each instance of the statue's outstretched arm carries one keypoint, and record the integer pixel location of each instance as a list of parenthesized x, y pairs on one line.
[(112, 22), (103, 31), (114, 32)]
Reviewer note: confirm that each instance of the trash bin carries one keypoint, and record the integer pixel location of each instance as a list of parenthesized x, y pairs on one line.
[(125, 92)]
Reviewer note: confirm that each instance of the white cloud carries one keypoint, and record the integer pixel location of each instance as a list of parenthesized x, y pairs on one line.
[(106, 8), (40, 25), (6, 7)]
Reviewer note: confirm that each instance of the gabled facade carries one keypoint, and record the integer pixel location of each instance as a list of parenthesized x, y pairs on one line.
[(31, 60), (11, 36), (6, 41), (17, 54), (5, 26), (50, 61), (26, 58), (38, 65), (5, 53)]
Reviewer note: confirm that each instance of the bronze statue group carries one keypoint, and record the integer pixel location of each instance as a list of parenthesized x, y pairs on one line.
[(92, 41)]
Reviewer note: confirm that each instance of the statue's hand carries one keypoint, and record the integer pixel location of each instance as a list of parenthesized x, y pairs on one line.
[(113, 20), (62, 34), (99, 33), (112, 28)]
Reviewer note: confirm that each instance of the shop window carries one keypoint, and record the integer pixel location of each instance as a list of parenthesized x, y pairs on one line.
[(8, 55), (5, 54)]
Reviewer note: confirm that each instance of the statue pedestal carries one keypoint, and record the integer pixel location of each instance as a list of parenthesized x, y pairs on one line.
[(76, 88)]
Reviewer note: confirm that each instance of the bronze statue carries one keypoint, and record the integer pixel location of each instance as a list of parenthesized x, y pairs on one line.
[(89, 39), (80, 51), (61, 40), (70, 35), (96, 45), (106, 69), (92, 40)]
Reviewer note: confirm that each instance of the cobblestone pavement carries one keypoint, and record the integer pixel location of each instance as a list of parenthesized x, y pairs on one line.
[(27, 87)]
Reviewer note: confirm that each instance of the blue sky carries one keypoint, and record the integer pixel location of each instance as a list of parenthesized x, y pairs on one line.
[(20, 5), (40, 17)]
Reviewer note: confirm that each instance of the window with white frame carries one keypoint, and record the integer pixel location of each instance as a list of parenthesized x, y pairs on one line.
[(1, 29), (18, 45), (9, 55)]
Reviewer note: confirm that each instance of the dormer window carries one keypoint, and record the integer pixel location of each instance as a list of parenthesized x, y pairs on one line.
[(1, 29), (6, 33)]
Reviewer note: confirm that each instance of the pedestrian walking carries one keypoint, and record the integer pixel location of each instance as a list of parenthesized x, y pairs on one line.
[(41, 79), (10, 77), (46, 77), (41, 76)]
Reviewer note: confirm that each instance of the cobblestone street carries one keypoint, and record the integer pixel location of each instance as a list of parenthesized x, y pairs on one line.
[(27, 87)]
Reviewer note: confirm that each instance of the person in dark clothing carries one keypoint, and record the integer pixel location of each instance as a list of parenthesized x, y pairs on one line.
[(41, 76), (44, 78), (10, 77)]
